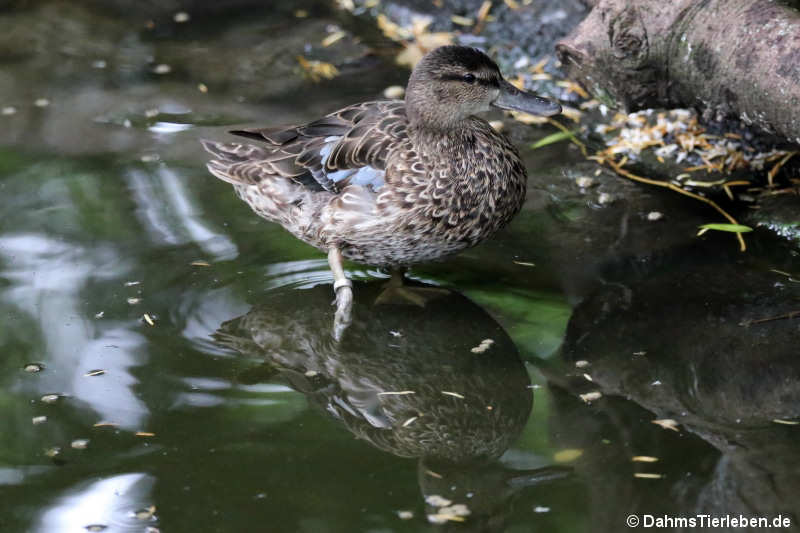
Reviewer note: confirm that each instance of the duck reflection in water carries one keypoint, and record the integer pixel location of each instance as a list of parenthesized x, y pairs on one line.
[(444, 384)]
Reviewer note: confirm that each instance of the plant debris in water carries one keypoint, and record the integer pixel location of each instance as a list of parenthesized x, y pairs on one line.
[(567, 455), (484, 345), (667, 423)]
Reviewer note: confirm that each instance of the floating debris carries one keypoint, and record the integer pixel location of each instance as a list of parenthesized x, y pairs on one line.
[(105, 424), (639, 353), (396, 393), (581, 364), (437, 501), (144, 434), (8, 110), (41, 102), (452, 513), (301, 13), (604, 198), (644, 459), (95, 527), (567, 456), (162, 68), (200, 263), (394, 92), (653, 216), (541, 509), (587, 377), (644, 475), (79, 444), (96, 372), (667, 423), (134, 301), (786, 422), (54, 451), (33, 367), (395, 334), (99, 63), (591, 396), (584, 182), (149, 158), (148, 319), (405, 515), (311, 373), (524, 263), (132, 283), (433, 474), (39, 420), (181, 17), (100, 314), (656, 383), (202, 87), (483, 346), (50, 398), (151, 113), (453, 394), (409, 421)]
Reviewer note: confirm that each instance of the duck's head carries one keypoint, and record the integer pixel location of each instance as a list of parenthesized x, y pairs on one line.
[(452, 83)]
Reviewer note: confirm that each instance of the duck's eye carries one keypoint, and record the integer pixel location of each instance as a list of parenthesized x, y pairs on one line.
[(469, 77)]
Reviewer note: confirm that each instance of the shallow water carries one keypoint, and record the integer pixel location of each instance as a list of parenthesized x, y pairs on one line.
[(223, 403)]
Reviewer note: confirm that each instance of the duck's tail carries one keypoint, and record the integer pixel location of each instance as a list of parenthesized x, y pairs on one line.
[(235, 163), (247, 167)]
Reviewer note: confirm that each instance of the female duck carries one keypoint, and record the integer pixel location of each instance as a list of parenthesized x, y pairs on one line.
[(391, 183)]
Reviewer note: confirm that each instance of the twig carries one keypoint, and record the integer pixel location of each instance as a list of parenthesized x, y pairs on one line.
[(789, 316), (622, 172), (774, 170), (571, 135)]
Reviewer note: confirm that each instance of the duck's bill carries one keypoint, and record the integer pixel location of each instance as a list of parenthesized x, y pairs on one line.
[(513, 99)]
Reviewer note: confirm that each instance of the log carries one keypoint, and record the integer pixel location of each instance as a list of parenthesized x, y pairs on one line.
[(727, 58)]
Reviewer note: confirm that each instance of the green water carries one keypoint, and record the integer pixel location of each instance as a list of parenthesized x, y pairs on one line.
[(223, 403)]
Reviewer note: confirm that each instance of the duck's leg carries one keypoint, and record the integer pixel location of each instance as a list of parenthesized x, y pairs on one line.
[(395, 291), (343, 288)]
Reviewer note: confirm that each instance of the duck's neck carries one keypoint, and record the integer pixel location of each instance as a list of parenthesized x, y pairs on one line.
[(456, 139)]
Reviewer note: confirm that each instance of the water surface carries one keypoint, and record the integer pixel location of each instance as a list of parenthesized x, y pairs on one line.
[(180, 348)]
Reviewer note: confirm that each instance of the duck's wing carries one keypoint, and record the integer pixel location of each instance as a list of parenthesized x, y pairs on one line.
[(347, 147)]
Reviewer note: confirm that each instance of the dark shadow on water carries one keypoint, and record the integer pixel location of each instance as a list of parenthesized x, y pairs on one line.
[(685, 338), (415, 382)]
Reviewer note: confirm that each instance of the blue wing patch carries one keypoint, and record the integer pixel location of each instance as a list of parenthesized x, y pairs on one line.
[(364, 176)]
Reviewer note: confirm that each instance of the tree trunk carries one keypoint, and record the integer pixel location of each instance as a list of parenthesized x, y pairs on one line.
[(736, 58)]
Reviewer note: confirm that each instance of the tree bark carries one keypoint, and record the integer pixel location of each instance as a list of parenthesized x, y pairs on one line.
[(737, 58)]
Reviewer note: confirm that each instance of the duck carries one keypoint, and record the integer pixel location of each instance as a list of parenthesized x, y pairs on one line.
[(391, 183)]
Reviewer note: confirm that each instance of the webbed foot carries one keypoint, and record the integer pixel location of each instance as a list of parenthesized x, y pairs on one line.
[(396, 292)]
